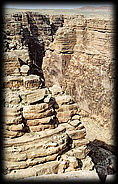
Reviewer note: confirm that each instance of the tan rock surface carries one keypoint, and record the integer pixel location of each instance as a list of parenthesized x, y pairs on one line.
[(44, 131), (41, 121), (47, 168), (69, 176), (37, 115), (36, 96), (24, 69), (85, 69)]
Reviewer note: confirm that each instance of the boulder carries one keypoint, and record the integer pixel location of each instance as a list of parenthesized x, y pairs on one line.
[(75, 123), (40, 128), (78, 152), (34, 110), (37, 95), (63, 99), (77, 134), (65, 116), (56, 89), (38, 115), (18, 127), (24, 70), (13, 82)]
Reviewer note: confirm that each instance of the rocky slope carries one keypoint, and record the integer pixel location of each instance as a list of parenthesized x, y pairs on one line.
[(48, 89)]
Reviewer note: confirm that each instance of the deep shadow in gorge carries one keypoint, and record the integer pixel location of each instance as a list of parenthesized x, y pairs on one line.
[(36, 47), (103, 157), (32, 38)]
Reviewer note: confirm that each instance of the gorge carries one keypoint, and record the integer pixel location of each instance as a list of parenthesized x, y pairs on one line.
[(58, 81)]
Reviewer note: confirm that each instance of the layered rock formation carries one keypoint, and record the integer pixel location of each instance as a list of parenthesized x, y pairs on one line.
[(41, 125), (81, 60), (43, 132), (28, 35)]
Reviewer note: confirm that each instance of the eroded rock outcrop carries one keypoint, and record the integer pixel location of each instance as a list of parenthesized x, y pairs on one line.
[(44, 125), (43, 132)]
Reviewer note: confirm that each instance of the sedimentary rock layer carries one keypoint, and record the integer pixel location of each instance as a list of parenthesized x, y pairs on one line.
[(81, 60), (43, 131)]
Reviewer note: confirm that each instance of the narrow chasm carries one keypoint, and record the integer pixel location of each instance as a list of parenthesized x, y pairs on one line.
[(36, 48)]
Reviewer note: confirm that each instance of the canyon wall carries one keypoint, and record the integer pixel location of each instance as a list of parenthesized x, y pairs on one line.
[(42, 128), (81, 60), (76, 52), (57, 68), (28, 35)]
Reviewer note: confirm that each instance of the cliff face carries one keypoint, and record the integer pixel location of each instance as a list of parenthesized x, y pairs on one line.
[(42, 128), (81, 60), (28, 35), (55, 68)]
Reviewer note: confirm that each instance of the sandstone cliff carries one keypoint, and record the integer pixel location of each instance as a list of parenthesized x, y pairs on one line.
[(81, 60), (55, 73)]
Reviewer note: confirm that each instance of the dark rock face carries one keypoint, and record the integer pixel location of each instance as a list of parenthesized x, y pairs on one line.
[(103, 158)]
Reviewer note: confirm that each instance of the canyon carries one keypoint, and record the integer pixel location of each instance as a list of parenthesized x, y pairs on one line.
[(58, 82)]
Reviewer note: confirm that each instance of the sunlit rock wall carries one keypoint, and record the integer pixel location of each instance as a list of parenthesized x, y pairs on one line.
[(81, 60)]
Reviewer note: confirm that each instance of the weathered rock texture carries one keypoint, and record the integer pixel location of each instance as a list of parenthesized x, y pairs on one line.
[(42, 127), (28, 35), (43, 131), (45, 128), (81, 60)]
